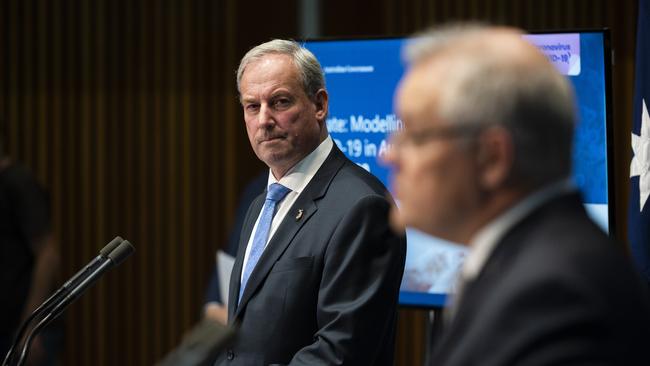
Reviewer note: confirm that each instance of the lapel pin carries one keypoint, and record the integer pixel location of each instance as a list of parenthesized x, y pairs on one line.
[(299, 214)]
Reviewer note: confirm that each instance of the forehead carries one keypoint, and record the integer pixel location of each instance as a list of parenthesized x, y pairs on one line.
[(273, 70), (419, 92)]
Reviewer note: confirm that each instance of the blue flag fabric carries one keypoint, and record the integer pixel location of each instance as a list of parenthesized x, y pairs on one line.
[(639, 205)]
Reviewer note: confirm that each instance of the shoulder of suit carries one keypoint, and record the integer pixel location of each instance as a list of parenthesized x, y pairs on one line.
[(359, 180)]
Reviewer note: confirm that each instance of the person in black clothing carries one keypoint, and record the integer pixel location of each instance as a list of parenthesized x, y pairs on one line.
[(214, 308), (28, 258), (484, 160)]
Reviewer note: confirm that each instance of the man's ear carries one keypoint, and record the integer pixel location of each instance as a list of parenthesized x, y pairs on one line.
[(495, 157), (321, 100)]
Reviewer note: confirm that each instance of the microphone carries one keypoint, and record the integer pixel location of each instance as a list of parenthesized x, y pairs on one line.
[(55, 298), (115, 257), (105, 255)]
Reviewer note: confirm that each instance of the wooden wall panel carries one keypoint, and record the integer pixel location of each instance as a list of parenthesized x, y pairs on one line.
[(127, 112)]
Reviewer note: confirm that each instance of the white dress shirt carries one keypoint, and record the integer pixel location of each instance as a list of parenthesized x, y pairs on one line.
[(296, 179)]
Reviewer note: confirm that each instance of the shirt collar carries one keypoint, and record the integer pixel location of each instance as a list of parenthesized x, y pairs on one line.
[(485, 240), (300, 174)]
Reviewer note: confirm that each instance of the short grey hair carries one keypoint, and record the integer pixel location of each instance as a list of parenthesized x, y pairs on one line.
[(308, 66), (425, 44), (531, 100)]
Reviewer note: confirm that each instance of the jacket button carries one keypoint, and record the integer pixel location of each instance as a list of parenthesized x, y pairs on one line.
[(230, 354)]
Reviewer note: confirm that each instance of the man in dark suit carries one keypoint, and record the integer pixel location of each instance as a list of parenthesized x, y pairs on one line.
[(484, 160), (317, 275)]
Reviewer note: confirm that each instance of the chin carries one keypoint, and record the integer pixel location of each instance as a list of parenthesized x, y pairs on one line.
[(272, 156), (418, 224), (396, 220), (445, 234)]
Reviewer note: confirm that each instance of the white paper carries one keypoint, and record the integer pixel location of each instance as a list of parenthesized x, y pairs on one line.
[(225, 263)]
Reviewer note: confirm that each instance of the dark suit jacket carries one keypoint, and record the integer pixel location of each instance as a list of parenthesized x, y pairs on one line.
[(556, 291), (325, 290)]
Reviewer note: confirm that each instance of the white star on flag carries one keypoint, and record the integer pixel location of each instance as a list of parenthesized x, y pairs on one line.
[(641, 160)]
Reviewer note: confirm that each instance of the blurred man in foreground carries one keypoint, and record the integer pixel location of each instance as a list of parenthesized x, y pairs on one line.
[(484, 160)]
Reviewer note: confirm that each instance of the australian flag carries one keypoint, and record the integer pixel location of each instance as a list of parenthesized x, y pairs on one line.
[(639, 205)]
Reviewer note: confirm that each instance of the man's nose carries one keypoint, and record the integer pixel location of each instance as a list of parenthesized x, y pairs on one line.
[(390, 156), (265, 116)]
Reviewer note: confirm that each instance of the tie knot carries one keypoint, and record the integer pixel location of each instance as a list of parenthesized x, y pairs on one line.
[(276, 192)]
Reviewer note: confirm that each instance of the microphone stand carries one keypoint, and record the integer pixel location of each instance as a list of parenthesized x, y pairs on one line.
[(58, 309), (79, 280)]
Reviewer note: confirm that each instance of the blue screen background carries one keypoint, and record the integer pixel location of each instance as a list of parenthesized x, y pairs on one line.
[(369, 95)]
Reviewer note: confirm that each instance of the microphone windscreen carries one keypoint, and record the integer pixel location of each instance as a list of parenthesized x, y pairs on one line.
[(111, 246), (120, 253)]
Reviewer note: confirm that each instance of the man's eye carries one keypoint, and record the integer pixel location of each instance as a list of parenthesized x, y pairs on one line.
[(281, 103), (252, 107)]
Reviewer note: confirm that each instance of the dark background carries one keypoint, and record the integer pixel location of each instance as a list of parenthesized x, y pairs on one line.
[(126, 110)]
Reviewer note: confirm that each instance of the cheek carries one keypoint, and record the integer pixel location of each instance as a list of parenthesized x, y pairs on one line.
[(250, 123), (251, 126), (431, 191), (294, 122), (415, 184), (416, 206), (300, 119)]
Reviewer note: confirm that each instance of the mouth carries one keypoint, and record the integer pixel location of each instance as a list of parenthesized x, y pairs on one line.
[(270, 139)]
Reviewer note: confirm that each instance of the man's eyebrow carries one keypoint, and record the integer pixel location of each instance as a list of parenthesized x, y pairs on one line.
[(248, 99), (279, 93)]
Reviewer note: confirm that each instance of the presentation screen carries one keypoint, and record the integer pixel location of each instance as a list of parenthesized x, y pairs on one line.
[(361, 77)]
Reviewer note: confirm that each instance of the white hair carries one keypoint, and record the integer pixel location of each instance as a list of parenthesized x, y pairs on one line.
[(308, 66), (530, 99)]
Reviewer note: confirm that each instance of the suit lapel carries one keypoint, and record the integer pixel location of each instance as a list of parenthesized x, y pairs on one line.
[(478, 289), (247, 228), (290, 226)]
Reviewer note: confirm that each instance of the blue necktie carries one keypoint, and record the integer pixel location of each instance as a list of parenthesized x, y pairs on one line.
[(275, 194)]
